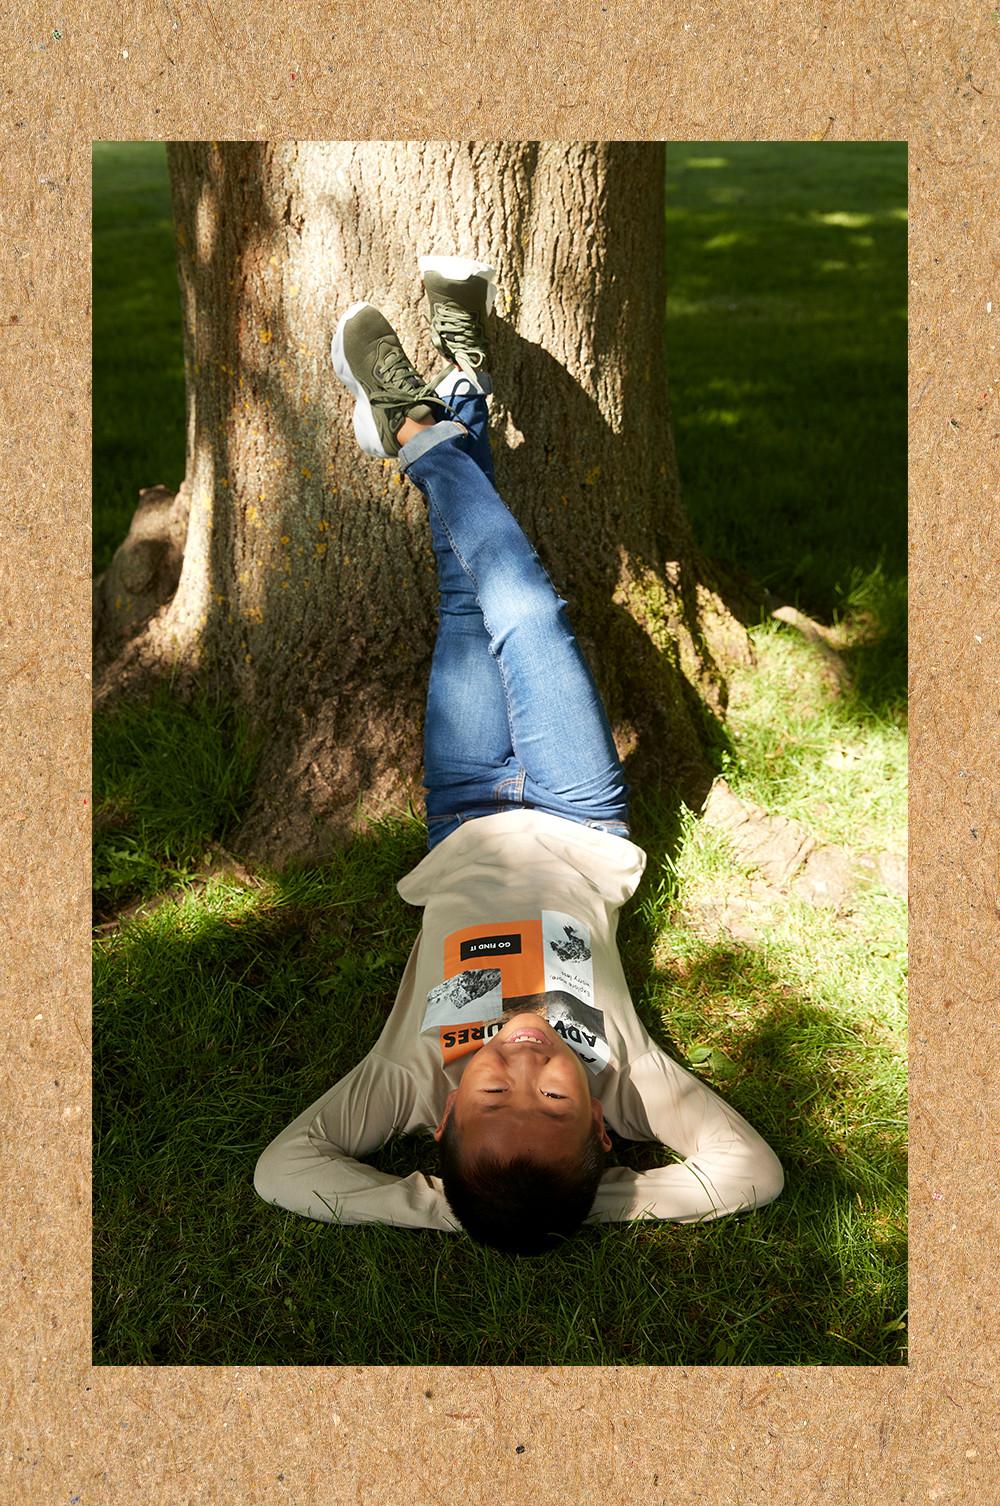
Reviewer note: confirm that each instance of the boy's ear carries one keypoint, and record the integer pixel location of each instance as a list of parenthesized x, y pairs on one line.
[(447, 1110), (597, 1109)]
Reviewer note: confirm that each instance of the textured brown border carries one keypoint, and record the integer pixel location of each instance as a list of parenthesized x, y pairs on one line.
[(183, 69)]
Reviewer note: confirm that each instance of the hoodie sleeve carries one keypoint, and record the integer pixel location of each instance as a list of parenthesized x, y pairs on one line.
[(727, 1168), (311, 1167)]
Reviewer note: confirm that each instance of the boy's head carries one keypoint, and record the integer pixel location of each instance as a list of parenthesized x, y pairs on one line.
[(522, 1142)]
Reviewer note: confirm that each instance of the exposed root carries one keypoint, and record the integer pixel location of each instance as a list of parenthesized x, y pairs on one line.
[(790, 859)]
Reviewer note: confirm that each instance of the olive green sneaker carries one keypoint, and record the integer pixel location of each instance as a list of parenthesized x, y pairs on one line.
[(461, 293), (370, 361)]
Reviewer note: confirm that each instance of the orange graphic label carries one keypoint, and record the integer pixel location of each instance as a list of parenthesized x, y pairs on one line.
[(485, 964), (514, 946)]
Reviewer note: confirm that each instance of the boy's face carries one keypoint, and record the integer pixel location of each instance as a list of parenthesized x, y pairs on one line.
[(525, 1093)]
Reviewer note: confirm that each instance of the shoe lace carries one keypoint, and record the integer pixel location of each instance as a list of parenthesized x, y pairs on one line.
[(463, 335), (401, 387)]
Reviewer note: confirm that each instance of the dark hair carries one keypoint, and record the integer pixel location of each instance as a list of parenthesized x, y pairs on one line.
[(521, 1206)]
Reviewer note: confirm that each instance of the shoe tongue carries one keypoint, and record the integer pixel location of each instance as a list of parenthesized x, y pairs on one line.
[(420, 412)]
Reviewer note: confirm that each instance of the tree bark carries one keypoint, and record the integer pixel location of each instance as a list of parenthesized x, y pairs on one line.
[(307, 589)]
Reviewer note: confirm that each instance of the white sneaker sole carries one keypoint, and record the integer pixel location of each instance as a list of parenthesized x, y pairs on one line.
[(365, 431), (461, 269)]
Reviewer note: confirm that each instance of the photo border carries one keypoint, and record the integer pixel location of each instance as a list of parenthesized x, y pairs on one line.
[(924, 1432)]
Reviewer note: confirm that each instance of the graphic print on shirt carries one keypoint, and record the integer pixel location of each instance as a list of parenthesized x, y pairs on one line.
[(568, 959), (548, 957), (581, 1027), (472, 995)]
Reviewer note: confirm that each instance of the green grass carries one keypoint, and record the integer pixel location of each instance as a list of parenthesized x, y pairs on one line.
[(167, 783), (138, 351), (226, 1006), (786, 354)]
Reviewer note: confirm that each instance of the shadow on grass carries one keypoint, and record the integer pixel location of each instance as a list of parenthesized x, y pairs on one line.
[(220, 1016), (786, 333), (169, 781), (138, 436)]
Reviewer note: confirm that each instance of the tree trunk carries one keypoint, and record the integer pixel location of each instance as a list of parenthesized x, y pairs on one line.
[(307, 587)]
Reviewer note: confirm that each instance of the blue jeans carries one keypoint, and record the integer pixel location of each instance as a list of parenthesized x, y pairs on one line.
[(513, 715)]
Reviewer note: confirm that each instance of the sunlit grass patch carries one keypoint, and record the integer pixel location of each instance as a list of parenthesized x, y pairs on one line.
[(795, 1011), (815, 753)]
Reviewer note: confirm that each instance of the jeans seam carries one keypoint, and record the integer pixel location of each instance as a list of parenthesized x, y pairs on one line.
[(513, 782)]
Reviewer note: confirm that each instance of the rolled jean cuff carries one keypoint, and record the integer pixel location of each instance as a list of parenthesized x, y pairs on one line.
[(426, 439)]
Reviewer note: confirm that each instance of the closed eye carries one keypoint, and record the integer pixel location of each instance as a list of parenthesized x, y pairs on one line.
[(545, 1092)]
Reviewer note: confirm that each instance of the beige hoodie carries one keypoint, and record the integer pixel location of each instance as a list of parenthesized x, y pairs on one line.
[(520, 903)]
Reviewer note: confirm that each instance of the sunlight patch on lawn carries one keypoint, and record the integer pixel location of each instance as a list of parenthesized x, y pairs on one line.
[(735, 386), (723, 418), (852, 219), (723, 241), (799, 752)]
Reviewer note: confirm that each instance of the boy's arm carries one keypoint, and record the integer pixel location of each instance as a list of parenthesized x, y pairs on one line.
[(310, 1168), (727, 1166)]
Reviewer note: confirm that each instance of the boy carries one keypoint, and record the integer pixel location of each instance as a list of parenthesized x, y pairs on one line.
[(513, 1034)]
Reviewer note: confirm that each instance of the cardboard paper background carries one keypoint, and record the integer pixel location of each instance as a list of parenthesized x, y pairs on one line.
[(181, 69)]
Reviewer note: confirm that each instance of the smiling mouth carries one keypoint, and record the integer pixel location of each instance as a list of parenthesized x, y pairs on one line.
[(535, 1036)]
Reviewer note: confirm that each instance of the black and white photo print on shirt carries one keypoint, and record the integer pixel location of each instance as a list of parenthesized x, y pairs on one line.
[(567, 955), (474, 995)]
